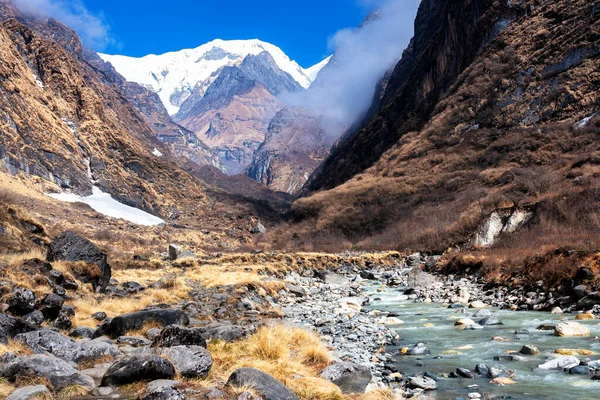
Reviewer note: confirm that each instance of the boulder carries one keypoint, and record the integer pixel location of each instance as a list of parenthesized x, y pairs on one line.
[(482, 369), (546, 327), (332, 278), (464, 322), (11, 326), (502, 380), (82, 332), (49, 341), (417, 350), (491, 320), (189, 361), (559, 363), (573, 352), (59, 372), (529, 350), (34, 318), (269, 387), (135, 368), (477, 304), (122, 324), (258, 228), (51, 305), (69, 246), (484, 312), (21, 301), (571, 328), (556, 310), (30, 393), (177, 335), (585, 317), (465, 373), (295, 289), (223, 331), (580, 370), (348, 376), (163, 389), (418, 382)]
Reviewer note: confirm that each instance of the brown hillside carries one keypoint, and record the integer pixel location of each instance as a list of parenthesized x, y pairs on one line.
[(503, 133)]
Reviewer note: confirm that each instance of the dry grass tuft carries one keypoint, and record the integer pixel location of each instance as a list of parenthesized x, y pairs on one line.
[(6, 388), (292, 355), (72, 392)]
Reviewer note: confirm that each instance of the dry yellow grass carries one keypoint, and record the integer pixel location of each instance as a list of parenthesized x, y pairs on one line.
[(6, 388), (292, 355), (15, 347), (16, 259)]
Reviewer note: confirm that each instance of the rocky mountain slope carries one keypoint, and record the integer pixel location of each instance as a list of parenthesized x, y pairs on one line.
[(493, 106), (67, 126)]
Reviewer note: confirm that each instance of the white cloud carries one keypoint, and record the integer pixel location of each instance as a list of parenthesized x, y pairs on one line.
[(344, 90), (92, 28)]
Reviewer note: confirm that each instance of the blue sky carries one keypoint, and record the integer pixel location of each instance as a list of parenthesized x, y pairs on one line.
[(301, 29)]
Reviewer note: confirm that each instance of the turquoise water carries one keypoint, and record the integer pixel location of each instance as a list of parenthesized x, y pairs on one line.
[(443, 337)]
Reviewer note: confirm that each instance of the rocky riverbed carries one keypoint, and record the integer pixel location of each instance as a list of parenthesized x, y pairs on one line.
[(447, 337)]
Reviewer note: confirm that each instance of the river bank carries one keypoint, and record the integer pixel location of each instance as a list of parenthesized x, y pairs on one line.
[(416, 334)]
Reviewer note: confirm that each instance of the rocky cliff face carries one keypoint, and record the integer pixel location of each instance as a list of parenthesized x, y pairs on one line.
[(233, 114), (295, 145), (493, 105)]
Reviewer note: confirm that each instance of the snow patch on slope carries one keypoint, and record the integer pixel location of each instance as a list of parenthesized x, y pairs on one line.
[(174, 75), (103, 203)]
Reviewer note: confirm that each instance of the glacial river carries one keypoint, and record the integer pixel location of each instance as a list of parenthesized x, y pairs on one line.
[(434, 325)]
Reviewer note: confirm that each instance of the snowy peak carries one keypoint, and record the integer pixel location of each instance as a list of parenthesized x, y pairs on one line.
[(313, 71), (173, 76)]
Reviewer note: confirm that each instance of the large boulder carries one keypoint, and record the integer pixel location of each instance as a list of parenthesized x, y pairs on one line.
[(348, 376), (60, 373), (223, 331), (177, 335), (69, 246), (21, 301), (189, 361), (421, 382), (30, 393), (571, 328), (139, 367), (51, 306), (559, 363), (49, 341), (122, 324), (12, 326), (163, 389), (269, 387)]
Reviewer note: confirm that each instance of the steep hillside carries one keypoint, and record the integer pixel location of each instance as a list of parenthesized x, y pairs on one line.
[(493, 106)]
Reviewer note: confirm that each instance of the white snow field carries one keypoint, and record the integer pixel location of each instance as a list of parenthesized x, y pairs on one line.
[(103, 203), (173, 76)]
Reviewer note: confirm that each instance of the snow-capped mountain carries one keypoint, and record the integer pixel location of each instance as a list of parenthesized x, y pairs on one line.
[(173, 76)]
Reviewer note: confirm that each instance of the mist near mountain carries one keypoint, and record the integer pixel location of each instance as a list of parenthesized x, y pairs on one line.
[(94, 31), (344, 89)]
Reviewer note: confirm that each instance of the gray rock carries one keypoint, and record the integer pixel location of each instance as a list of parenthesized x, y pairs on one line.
[(59, 372), (565, 362), (69, 246), (51, 305), (258, 228), (95, 349), (418, 382), (295, 289), (418, 350), (580, 370), (135, 368), (21, 301), (269, 387), (223, 331), (189, 361), (174, 251), (34, 318), (334, 279), (134, 341), (348, 376), (30, 393), (97, 372), (153, 333), (177, 335), (163, 389), (82, 332), (99, 316), (529, 350), (491, 320), (484, 312), (49, 341)]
